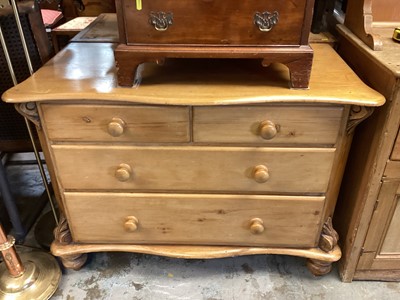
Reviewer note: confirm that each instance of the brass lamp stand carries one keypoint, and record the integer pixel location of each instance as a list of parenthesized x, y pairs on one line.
[(33, 275)]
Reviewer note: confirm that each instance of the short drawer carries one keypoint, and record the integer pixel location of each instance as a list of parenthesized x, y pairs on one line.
[(215, 22), (194, 168), (396, 149), (114, 123), (267, 124), (194, 219)]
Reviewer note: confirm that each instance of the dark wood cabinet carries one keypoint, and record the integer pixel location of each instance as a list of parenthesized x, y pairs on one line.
[(272, 31)]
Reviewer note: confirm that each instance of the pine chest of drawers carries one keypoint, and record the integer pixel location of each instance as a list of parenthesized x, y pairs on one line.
[(194, 166), (272, 31)]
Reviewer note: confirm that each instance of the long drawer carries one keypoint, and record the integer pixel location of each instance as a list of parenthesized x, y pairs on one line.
[(194, 168), (217, 22), (194, 219), (116, 123), (274, 124)]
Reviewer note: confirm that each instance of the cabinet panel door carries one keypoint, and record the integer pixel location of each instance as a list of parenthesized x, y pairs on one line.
[(382, 244)]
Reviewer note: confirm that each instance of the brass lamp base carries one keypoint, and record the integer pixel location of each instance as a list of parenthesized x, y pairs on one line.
[(39, 281)]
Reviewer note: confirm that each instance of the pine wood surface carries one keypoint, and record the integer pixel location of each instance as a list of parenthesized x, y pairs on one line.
[(159, 124), (396, 149), (194, 219), (296, 124), (186, 168), (91, 123), (87, 71), (359, 217), (194, 252)]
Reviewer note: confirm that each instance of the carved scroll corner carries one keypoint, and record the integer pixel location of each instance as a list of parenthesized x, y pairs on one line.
[(62, 234), (357, 115), (329, 237), (29, 111)]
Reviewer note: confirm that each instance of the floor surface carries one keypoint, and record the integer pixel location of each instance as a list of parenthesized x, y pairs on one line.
[(135, 276)]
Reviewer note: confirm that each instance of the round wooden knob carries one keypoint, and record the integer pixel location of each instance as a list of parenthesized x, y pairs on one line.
[(131, 224), (116, 127), (267, 130), (256, 226), (261, 174), (124, 172)]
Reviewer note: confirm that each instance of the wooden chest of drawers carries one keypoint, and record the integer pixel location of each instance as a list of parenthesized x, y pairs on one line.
[(203, 168), (272, 31)]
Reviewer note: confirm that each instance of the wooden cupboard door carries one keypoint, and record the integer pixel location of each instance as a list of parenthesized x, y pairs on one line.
[(272, 124), (382, 244), (205, 219), (193, 168), (213, 22)]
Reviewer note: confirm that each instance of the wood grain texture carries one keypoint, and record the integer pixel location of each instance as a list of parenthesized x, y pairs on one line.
[(396, 149), (359, 19), (392, 169), (184, 168), (373, 144), (193, 252), (294, 124), (194, 219), (391, 244), (379, 275), (297, 59), (90, 123), (76, 73), (214, 22)]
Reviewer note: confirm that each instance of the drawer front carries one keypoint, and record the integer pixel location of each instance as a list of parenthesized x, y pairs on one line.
[(214, 22), (113, 123), (194, 219), (194, 168), (267, 124), (396, 149)]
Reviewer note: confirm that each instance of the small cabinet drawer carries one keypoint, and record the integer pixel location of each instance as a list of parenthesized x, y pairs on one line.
[(194, 219), (396, 149), (216, 22), (188, 168), (116, 123), (267, 124)]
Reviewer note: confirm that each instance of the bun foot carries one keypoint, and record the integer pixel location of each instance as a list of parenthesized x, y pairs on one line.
[(74, 262), (319, 267)]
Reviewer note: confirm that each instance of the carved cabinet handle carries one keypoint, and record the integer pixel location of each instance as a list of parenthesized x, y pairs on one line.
[(261, 174), (116, 127), (123, 172), (161, 20), (131, 224), (257, 226), (266, 20), (267, 130)]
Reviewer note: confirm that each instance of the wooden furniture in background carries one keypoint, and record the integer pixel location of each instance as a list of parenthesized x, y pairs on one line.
[(368, 216), (104, 29), (274, 31), (362, 16), (200, 159), (68, 30)]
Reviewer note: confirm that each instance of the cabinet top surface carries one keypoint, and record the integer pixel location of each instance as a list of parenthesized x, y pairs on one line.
[(87, 71), (389, 56)]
